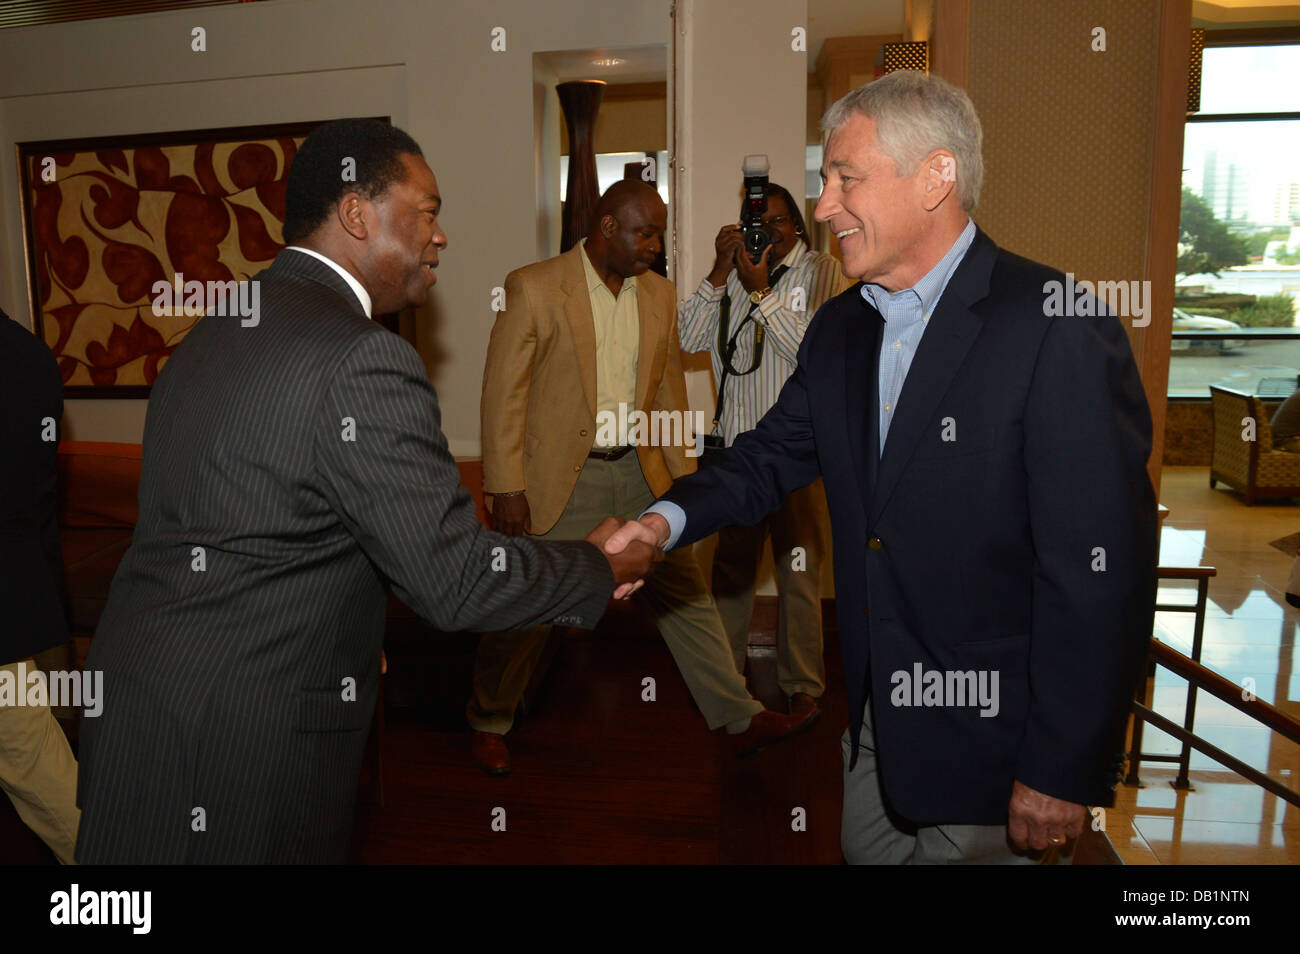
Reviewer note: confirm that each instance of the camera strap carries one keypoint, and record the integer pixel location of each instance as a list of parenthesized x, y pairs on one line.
[(727, 346)]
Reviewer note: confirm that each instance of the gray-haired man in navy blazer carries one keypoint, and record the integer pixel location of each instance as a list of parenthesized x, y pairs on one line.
[(294, 466), (993, 522)]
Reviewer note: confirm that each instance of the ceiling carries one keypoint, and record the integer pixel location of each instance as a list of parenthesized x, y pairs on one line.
[(24, 13), (650, 63), (851, 18)]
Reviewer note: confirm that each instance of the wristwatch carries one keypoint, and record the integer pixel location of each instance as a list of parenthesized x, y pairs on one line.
[(758, 296)]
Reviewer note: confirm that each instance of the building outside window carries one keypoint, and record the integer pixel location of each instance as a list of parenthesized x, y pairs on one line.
[(1238, 284)]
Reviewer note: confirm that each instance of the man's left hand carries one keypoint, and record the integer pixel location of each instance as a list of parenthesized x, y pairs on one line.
[(1036, 821), (752, 276)]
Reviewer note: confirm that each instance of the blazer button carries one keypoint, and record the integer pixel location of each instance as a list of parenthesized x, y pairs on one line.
[(582, 433), (875, 543), (577, 468)]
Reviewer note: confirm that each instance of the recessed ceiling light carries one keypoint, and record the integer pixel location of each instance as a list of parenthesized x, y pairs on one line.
[(609, 61)]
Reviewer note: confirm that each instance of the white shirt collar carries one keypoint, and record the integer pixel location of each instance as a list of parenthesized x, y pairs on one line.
[(347, 276)]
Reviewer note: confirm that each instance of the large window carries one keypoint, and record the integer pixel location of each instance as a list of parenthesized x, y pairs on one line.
[(1238, 287)]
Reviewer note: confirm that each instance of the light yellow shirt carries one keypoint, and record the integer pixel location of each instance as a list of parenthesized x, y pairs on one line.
[(618, 330)]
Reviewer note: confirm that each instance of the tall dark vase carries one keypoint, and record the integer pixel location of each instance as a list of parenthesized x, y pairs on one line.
[(580, 101)]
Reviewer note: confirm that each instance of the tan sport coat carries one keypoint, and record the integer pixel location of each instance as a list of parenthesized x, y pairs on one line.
[(539, 385)]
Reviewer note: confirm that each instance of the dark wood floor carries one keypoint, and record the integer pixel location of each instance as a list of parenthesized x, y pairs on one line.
[(601, 776)]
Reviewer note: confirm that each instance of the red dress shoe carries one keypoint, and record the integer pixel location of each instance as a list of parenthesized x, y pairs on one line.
[(801, 703), (491, 754), (768, 727)]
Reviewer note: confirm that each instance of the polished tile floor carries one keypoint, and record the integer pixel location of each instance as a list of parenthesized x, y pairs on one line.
[(1250, 633)]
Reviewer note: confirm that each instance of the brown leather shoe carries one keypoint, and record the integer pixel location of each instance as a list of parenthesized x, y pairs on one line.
[(490, 753), (768, 727), (802, 703)]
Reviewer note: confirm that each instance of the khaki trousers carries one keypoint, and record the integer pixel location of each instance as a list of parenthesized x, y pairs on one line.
[(675, 594), (800, 523), (38, 771), (872, 834)]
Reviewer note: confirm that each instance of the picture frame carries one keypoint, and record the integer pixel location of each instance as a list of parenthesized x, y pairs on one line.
[(106, 218)]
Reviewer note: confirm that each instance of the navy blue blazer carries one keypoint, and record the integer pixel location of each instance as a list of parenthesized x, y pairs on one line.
[(1009, 528)]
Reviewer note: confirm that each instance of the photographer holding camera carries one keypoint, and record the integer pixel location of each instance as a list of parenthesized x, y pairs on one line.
[(752, 315)]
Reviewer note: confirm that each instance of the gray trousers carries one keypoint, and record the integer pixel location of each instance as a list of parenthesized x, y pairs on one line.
[(872, 834)]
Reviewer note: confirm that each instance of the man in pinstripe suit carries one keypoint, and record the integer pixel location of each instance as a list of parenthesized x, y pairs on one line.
[(293, 467)]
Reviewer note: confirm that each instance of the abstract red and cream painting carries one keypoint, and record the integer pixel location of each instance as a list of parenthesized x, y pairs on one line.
[(106, 224)]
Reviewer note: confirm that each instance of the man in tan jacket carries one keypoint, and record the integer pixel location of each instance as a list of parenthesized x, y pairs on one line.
[(589, 339)]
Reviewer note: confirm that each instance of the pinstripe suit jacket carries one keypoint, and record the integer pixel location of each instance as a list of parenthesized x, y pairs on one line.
[(291, 470)]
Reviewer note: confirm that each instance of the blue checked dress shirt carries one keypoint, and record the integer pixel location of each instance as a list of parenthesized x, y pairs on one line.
[(907, 314)]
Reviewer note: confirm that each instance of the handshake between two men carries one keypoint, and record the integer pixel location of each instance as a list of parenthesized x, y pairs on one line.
[(632, 548)]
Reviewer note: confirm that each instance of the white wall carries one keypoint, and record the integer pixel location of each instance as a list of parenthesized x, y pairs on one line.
[(428, 65), (741, 90), (548, 142)]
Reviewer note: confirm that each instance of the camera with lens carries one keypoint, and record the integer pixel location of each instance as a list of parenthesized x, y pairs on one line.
[(756, 236)]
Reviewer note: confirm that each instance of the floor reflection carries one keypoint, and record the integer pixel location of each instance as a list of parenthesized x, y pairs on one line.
[(1249, 638)]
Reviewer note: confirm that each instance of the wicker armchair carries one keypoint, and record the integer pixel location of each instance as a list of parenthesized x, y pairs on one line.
[(1253, 467)]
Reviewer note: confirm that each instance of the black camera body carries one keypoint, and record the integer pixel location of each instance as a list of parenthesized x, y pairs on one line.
[(756, 236)]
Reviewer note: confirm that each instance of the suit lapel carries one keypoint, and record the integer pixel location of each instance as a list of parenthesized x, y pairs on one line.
[(582, 326), (652, 343), (952, 330)]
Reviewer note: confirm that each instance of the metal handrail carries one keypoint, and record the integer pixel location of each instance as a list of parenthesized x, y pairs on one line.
[(1200, 677)]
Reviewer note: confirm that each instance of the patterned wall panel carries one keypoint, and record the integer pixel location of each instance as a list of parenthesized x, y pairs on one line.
[(1194, 71), (907, 56), (1067, 130)]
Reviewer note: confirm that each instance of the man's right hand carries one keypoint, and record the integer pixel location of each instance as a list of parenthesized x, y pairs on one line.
[(510, 515), (633, 561), (730, 240), (651, 529)]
